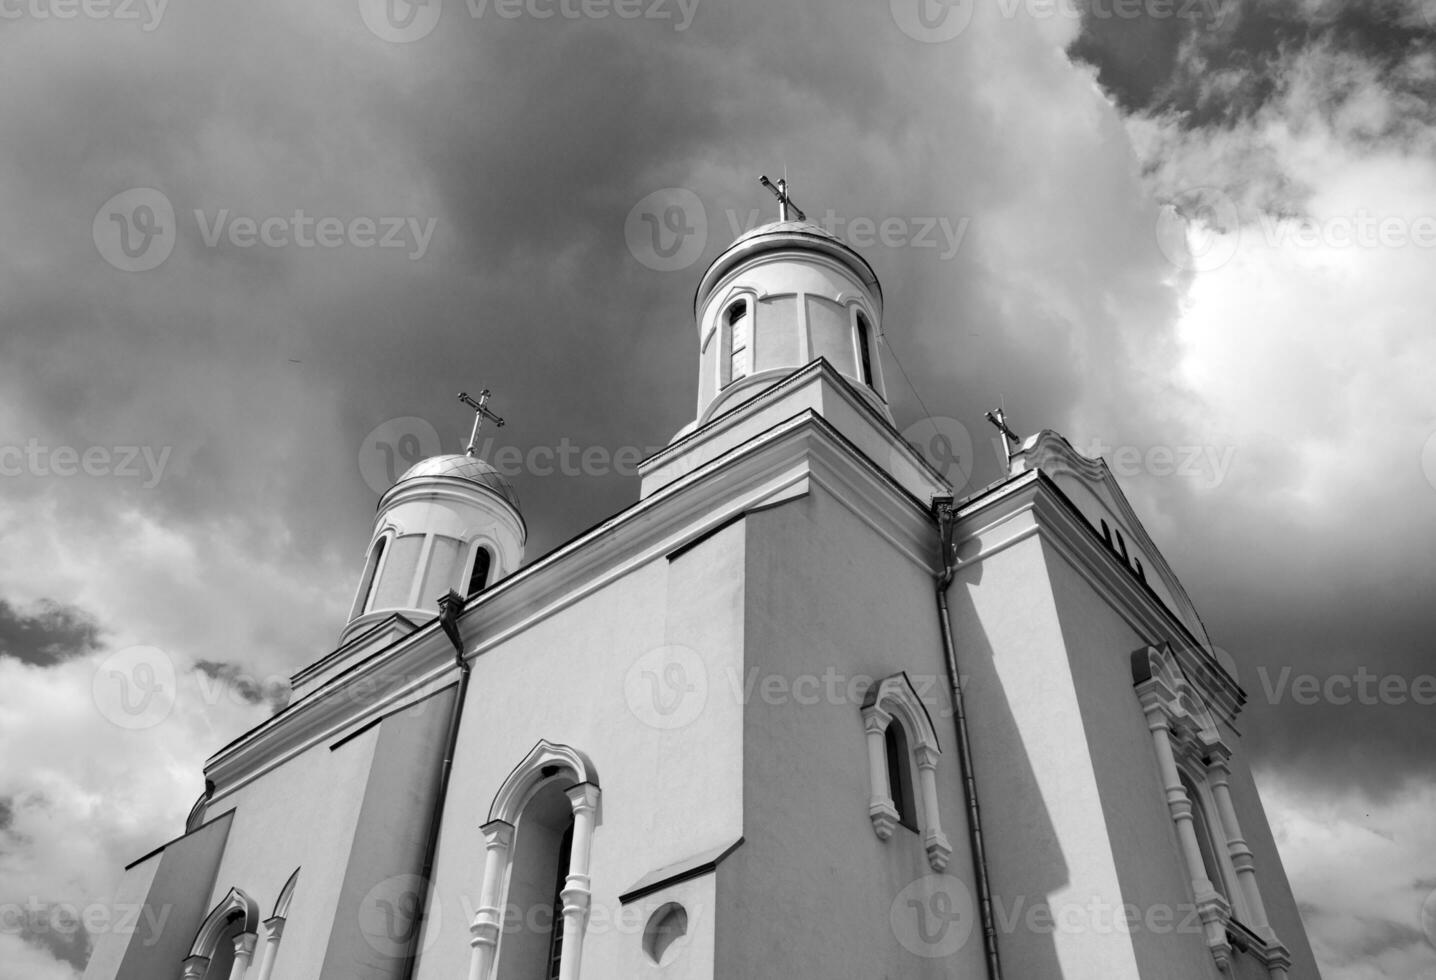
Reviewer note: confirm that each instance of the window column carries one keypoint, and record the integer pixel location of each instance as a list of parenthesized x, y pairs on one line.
[(577, 893), (881, 810), (489, 920), (273, 932), (939, 850), (1213, 910), (1218, 776)]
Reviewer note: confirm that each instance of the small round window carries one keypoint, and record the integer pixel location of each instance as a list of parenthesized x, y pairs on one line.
[(667, 925)]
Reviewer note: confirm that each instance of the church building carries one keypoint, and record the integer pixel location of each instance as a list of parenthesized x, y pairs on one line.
[(798, 712)]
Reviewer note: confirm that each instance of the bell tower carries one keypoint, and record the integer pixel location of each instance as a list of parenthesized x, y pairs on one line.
[(781, 296)]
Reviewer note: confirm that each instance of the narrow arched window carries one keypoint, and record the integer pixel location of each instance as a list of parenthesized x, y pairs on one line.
[(1107, 534), (1121, 545), (479, 578), (1206, 843), (740, 346), (366, 585), (865, 358), (900, 774)]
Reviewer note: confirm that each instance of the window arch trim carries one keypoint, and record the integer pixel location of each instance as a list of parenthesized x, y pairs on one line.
[(235, 904), (546, 763)]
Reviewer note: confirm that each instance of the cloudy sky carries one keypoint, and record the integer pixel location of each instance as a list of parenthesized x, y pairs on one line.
[(256, 248)]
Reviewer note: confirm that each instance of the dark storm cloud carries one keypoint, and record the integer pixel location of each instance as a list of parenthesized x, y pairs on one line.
[(244, 684), (7, 812), (57, 929), (1221, 61), (47, 633)]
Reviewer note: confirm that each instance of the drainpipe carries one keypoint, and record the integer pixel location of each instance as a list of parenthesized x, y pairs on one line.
[(944, 511), (450, 606)]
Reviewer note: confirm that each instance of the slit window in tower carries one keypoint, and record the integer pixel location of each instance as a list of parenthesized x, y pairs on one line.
[(555, 944), (367, 585), (479, 579), (865, 360), (740, 329)]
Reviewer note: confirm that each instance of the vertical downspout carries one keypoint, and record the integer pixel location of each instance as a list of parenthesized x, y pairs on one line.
[(944, 511), (450, 606)]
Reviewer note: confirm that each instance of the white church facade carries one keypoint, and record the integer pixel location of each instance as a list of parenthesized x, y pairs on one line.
[(797, 712)]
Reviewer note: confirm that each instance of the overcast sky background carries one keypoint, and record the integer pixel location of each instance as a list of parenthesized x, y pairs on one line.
[(1170, 237)]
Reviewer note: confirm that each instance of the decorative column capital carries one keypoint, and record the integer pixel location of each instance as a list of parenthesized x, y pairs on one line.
[(274, 929), (876, 720), (195, 967), (583, 797), (498, 834), (244, 944)]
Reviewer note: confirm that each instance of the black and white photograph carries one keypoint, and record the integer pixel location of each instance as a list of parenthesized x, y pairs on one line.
[(718, 490)]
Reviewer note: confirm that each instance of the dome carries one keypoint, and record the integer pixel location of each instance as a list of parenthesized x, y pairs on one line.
[(788, 228), (780, 235), (462, 467)]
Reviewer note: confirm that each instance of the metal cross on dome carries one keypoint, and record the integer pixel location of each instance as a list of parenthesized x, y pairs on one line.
[(481, 412), (785, 203)]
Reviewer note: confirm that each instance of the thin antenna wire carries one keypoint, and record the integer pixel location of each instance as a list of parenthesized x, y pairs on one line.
[(927, 413)]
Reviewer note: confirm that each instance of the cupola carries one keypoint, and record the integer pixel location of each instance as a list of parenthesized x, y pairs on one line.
[(781, 296), (450, 522)]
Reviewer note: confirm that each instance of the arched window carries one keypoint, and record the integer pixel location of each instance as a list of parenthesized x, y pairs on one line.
[(366, 584), (1121, 545), (536, 862), (900, 774), (1107, 534), (865, 358), (1206, 843), (738, 329), (479, 578), (224, 944), (1193, 764), (900, 734)]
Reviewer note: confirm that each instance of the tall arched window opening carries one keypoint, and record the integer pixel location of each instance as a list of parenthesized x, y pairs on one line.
[(366, 584), (865, 357), (479, 579)]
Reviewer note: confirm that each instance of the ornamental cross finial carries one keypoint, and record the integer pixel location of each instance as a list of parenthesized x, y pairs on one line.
[(999, 419), (481, 412), (785, 203)]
